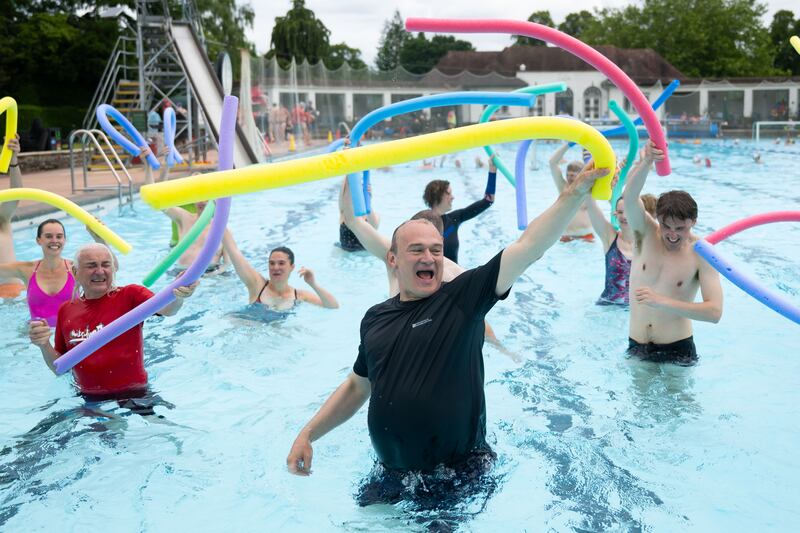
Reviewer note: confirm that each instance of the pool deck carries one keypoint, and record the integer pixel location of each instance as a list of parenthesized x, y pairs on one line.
[(58, 181)]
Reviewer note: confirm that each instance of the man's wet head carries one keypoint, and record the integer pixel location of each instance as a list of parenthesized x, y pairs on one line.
[(416, 256)]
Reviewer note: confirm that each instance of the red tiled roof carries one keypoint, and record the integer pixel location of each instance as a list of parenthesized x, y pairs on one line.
[(641, 64)]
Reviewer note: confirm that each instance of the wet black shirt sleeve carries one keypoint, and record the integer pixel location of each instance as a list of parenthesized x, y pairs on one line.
[(425, 365)]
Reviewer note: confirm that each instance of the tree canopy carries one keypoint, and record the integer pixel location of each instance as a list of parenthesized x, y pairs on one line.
[(540, 17), (419, 55), (393, 38), (301, 36), (702, 38)]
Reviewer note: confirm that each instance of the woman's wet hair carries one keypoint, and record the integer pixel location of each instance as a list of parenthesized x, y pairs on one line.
[(650, 201), (676, 204), (285, 250), (434, 191), (40, 229)]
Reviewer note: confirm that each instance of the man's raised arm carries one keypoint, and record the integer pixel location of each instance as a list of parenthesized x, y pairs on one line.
[(634, 208), (545, 229)]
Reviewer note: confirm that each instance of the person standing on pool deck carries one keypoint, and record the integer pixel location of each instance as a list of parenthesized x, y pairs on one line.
[(420, 360), (275, 292), (580, 227), (115, 370), (438, 196), (666, 272)]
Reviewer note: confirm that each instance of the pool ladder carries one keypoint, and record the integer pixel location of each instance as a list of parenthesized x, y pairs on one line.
[(92, 135)]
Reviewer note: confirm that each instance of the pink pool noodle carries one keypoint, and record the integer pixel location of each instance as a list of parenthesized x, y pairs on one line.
[(568, 43), (750, 222)]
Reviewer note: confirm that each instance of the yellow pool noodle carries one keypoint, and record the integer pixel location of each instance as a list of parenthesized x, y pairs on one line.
[(256, 178), (69, 207), (8, 106)]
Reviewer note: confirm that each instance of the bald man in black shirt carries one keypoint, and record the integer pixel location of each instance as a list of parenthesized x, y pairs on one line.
[(420, 360)]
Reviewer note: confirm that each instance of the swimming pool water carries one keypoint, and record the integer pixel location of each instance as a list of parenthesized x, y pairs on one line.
[(587, 439)]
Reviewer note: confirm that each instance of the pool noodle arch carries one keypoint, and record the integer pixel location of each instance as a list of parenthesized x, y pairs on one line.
[(255, 178), (358, 190), (633, 148), (490, 110), (723, 264), (8, 106), (137, 148), (182, 245), (69, 207), (568, 43), (522, 153), (164, 297), (173, 156), (795, 41)]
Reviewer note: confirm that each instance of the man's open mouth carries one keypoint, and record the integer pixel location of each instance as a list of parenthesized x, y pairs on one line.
[(425, 274)]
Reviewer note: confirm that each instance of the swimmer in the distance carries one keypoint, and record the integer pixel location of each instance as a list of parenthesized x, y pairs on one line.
[(580, 227), (275, 292)]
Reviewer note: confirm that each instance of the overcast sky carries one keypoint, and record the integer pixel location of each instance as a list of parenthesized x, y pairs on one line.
[(359, 22)]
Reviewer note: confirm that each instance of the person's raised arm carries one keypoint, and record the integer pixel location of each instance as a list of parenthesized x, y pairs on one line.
[(342, 404), (545, 229), (249, 276), (555, 167), (7, 209), (16, 270), (639, 223), (709, 310), (368, 236), (322, 297), (600, 224)]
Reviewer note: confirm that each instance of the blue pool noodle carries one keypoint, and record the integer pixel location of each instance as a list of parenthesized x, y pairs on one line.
[(754, 288), (358, 190)]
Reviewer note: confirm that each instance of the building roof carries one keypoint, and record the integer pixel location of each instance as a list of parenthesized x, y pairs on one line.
[(644, 65)]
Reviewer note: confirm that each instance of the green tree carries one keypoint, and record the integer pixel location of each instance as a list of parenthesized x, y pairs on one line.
[(419, 55), (392, 40), (43, 49), (299, 35), (340, 53), (784, 26), (224, 24), (702, 38), (576, 24), (540, 17)]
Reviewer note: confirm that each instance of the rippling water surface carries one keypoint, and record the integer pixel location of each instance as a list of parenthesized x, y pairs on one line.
[(587, 439)]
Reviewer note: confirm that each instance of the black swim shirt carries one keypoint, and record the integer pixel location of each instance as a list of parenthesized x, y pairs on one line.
[(424, 362)]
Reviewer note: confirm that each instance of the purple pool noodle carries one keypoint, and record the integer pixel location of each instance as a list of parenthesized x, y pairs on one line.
[(519, 177), (164, 297)]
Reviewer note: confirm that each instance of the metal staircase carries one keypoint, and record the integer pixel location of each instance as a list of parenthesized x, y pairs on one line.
[(144, 71)]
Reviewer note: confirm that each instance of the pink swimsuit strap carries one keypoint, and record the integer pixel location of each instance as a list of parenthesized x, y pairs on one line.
[(43, 305)]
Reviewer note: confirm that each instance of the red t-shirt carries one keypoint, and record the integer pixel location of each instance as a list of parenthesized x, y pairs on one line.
[(119, 365)]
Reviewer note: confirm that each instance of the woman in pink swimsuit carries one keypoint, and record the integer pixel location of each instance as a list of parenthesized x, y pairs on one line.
[(49, 281)]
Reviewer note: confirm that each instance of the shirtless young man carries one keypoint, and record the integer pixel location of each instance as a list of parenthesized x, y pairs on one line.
[(580, 227), (666, 273)]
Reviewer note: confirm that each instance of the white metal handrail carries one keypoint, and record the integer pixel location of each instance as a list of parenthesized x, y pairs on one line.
[(92, 134)]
